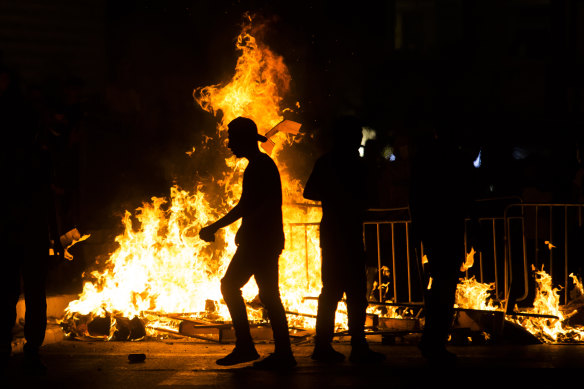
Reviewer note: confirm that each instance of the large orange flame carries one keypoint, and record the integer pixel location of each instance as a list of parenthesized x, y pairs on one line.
[(471, 294), (547, 302), (161, 264)]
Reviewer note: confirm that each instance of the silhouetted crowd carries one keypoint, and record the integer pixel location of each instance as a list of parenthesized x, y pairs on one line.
[(432, 176)]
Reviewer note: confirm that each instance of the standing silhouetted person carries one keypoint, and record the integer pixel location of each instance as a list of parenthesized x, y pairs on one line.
[(26, 223), (338, 181), (259, 240), (441, 197)]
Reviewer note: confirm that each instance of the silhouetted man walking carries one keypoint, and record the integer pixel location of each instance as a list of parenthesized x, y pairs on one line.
[(338, 180), (441, 198), (260, 240)]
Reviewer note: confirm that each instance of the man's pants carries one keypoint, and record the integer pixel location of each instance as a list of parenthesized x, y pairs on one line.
[(263, 265), (345, 274), (443, 240), (28, 261)]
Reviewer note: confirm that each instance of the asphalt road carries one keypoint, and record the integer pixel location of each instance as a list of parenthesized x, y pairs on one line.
[(181, 363)]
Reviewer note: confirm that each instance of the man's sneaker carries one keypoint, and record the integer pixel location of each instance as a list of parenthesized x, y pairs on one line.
[(327, 354), (276, 361), (239, 355), (365, 355)]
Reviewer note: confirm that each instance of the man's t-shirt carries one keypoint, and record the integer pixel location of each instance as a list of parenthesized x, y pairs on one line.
[(339, 182), (261, 200)]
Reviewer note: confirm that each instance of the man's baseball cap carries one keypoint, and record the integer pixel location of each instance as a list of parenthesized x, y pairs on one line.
[(245, 128)]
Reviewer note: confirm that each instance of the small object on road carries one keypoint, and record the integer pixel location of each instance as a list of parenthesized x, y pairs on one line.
[(136, 358)]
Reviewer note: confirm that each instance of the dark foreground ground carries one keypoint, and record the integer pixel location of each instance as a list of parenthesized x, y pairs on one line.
[(191, 363)]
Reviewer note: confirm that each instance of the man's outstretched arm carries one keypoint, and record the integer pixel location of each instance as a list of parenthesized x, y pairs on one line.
[(247, 205), (208, 233)]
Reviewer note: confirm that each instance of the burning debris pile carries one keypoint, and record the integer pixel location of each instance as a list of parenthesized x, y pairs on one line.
[(546, 320), (567, 322)]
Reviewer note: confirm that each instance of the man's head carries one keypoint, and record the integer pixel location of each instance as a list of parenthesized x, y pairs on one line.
[(347, 133), (243, 136)]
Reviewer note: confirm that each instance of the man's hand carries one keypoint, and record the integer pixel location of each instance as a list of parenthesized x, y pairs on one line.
[(207, 234)]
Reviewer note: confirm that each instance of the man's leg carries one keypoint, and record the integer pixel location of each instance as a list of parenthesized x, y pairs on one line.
[(356, 292), (34, 272), (35, 319), (444, 258), (237, 275), (330, 295), (266, 276), (439, 311), (328, 300), (10, 293)]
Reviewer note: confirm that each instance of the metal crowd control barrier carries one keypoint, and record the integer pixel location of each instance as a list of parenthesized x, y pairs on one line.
[(492, 258), (514, 237), (552, 239), (304, 226), (402, 279), (517, 236), (400, 250)]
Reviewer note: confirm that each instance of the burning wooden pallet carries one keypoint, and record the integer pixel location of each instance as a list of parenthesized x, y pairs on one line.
[(205, 327)]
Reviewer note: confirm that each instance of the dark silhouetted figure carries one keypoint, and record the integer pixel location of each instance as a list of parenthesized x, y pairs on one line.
[(27, 222), (441, 197), (260, 241), (338, 180)]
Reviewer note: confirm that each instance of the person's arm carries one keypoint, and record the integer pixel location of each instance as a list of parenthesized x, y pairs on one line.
[(208, 233), (249, 201)]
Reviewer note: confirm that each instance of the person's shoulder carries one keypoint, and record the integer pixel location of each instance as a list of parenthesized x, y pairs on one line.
[(264, 163), (265, 157), (265, 160)]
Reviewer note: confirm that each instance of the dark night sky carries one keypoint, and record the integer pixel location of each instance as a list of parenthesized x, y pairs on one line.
[(476, 63), (499, 73)]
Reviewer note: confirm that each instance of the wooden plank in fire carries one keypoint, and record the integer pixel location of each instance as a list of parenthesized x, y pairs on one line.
[(539, 315), (311, 315), (368, 331), (260, 332), (221, 332), (526, 314), (179, 334), (376, 303), (398, 324), (182, 316), (285, 126), (194, 330), (301, 333)]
